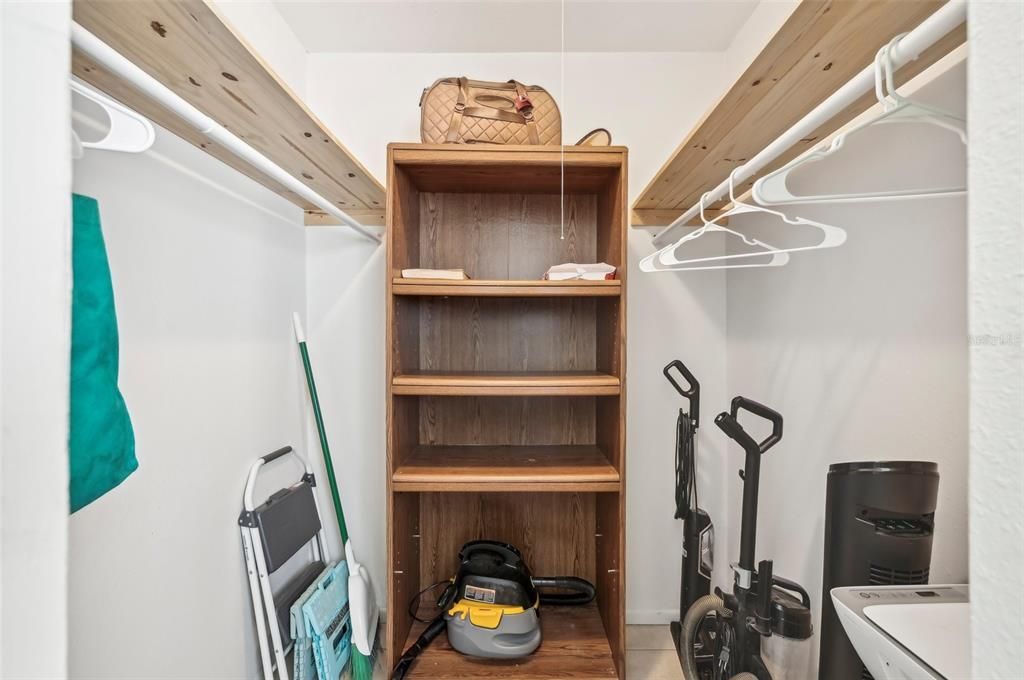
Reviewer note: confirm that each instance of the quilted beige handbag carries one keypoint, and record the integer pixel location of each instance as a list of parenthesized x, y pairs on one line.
[(459, 110)]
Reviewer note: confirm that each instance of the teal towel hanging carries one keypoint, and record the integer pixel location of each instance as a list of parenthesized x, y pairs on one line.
[(101, 443)]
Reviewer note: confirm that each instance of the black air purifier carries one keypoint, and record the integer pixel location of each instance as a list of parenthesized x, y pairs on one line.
[(879, 519)]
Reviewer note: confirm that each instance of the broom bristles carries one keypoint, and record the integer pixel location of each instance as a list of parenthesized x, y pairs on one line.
[(362, 665)]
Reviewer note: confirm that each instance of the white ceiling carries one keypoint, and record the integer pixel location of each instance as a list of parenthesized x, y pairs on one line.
[(511, 26)]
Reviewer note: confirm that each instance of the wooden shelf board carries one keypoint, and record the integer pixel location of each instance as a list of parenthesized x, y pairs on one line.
[(492, 288), (490, 168), (506, 468), (822, 45), (573, 645), (547, 383), (189, 48)]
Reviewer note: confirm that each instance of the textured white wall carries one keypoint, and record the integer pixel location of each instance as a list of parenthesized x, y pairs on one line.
[(863, 349), (996, 240), (649, 102), (35, 213), (207, 268)]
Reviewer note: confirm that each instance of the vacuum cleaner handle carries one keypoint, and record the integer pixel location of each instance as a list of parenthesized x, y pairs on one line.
[(734, 431), (793, 587), (507, 552), (758, 409), (692, 393)]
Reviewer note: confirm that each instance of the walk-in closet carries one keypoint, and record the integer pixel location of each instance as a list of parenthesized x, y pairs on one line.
[(476, 339)]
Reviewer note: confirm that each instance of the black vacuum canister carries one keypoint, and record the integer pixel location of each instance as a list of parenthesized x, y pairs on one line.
[(879, 518)]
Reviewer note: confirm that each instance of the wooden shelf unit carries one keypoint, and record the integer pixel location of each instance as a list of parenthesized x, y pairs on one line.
[(506, 393)]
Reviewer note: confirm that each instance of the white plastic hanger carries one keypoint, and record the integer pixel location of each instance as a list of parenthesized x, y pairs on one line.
[(652, 263), (832, 237), (129, 131), (771, 189)]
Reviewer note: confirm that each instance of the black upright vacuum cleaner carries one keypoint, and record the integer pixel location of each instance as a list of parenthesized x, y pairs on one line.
[(698, 531), (761, 604)]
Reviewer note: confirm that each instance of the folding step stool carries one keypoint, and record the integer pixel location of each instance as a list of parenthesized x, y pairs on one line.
[(287, 522)]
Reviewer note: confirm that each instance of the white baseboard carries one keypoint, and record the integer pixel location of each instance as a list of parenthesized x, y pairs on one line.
[(646, 617)]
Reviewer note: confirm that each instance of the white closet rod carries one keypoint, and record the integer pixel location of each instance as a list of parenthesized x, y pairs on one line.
[(124, 69), (910, 47)]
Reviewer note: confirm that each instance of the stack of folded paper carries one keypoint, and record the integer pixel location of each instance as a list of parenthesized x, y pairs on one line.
[(586, 272)]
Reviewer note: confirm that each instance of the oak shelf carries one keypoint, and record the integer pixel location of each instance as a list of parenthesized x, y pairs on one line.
[(191, 49), (499, 288), (573, 645), (822, 45), (501, 384), (506, 468)]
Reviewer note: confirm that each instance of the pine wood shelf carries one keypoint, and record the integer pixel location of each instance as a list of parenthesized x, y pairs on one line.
[(822, 45), (506, 468), (540, 384), (505, 393), (188, 47), (573, 645), (496, 288)]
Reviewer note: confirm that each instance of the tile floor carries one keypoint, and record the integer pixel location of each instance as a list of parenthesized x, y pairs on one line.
[(650, 655)]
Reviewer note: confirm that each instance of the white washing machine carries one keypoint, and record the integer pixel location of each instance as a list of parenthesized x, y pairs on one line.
[(908, 632)]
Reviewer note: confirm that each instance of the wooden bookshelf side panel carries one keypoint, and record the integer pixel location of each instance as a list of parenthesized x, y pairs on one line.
[(403, 568), (611, 577)]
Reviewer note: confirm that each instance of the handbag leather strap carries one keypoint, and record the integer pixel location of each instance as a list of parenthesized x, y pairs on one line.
[(461, 109), (452, 136)]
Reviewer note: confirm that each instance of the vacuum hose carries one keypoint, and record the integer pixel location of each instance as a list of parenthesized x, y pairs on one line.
[(691, 625), (581, 590), (432, 630)]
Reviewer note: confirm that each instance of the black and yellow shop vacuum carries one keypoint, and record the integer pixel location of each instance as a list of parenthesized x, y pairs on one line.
[(490, 608)]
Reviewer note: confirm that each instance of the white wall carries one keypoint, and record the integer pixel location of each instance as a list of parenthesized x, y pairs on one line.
[(996, 240), (863, 349), (259, 23), (649, 102), (207, 268), (35, 215)]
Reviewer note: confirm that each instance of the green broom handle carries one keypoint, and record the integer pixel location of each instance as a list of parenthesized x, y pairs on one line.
[(324, 446)]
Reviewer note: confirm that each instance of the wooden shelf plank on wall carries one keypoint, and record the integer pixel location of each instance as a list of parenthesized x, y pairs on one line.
[(506, 468), (527, 384), (491, 288), (822, 45), (189, 48)]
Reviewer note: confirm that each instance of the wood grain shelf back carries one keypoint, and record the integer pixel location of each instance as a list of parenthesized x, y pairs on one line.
[(188, 47), (822, 45), (457, 334)]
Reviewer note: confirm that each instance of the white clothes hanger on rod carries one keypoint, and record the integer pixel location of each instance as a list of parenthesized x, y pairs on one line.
[(928, 32), (129, 131), (652, 263), (832, 236), (772, 189), (134, 76)]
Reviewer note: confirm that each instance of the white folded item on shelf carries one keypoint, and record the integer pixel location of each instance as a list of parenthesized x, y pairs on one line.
[(569, 271)]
